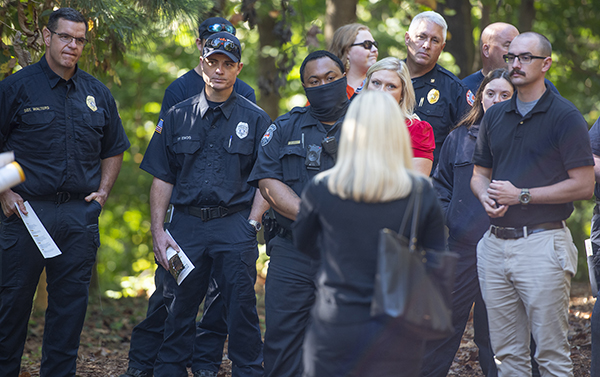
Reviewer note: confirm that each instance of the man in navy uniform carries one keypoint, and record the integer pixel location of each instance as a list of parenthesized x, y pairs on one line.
[(66, 133), (147, 336), (295, 148), (532, 160), (441, 97), (200, 156)]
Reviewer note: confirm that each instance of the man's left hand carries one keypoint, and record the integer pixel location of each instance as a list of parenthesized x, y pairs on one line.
[(98, 196), (504, 192)]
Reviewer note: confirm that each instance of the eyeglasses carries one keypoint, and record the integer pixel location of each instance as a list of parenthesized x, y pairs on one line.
[(367, 45), (523, 58), (215, 28), (228, 45), (66, 39)]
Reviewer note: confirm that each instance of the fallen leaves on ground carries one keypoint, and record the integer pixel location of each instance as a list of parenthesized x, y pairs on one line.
[(107, 330)]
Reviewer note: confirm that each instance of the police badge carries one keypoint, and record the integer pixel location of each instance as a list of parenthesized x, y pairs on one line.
[(242, 130)]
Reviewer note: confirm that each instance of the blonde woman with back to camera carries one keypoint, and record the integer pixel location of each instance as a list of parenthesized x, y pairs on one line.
[(390, 75), (341, 213)]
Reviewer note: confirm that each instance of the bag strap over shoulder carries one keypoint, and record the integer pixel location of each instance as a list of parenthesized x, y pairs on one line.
[(413, 207)]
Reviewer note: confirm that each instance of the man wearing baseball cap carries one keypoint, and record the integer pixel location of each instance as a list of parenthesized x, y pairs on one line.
[(147, 336)]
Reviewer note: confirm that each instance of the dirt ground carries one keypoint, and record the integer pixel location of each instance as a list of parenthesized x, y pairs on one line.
[(107, 330)]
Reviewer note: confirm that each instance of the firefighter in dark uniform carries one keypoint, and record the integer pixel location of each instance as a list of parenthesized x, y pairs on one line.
[(66, 133), (442, 99), (200, 157), (147, 336), (295, 148)]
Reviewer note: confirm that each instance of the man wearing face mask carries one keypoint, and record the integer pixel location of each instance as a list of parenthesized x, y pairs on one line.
[(295, 148)]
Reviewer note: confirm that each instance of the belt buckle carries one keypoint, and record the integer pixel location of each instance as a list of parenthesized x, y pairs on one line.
[(205, 214), (63, 197)]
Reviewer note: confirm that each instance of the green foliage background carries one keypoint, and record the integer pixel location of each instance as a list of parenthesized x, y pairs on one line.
[(138, 56)]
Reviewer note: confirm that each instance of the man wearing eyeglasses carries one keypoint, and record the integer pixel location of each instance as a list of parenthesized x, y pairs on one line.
[(494, 42), (441, 97), (66, 133), (200, 156), (147, 336), (532, 160)]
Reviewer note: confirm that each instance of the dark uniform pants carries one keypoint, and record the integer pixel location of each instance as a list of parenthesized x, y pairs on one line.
[(74, 228), (439, 354), (289, 297), (228, 246), (211, 331)]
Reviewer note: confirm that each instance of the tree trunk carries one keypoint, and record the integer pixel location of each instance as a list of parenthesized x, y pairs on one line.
[(459, 41), (338, 13), (267, 69), (526, 15)]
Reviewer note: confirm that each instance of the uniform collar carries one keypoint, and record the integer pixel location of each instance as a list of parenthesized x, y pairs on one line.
[(53, 78), (542, 105), (226, 107), (310, 121), (428, 78)]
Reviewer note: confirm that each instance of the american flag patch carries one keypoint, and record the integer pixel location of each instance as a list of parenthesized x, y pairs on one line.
[(159, 126)]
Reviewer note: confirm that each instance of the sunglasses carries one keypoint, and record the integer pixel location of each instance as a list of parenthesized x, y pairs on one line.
[(228, 45), (367, 45), (215, 28)]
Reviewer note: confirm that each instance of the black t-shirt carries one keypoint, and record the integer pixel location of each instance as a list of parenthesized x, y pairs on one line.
[(532, 151)]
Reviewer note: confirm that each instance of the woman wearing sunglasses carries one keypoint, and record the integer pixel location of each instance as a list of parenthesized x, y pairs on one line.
[(391, 75), (357, 49)]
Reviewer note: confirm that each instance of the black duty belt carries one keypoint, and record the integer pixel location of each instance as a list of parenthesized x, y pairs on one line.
[(58, 198), (514, 233), (211, 213), (286, 233)]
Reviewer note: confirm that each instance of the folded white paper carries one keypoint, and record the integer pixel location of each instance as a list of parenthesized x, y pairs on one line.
[(38, 232)]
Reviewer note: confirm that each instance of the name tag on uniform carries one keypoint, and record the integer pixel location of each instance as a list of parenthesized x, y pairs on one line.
[(294, 142)]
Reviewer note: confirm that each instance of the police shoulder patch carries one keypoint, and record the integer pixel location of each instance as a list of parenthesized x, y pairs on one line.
[(470, 98), (268, 135)]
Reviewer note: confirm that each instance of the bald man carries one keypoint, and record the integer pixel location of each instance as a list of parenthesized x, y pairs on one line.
[(493, 44)]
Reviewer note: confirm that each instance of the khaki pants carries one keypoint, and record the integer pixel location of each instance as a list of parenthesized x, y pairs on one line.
[(526, 284)]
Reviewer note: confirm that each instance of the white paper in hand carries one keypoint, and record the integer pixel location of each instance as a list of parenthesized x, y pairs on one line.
[(180, 265), (38, 232)]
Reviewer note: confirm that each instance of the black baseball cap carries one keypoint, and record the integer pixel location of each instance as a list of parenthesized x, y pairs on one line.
[(223, 43), (215, 25)]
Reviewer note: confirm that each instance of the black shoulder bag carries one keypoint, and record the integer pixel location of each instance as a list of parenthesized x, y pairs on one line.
[(412, 283)]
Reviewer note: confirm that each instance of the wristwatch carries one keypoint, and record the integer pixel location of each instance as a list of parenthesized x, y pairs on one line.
[(255, 224), (525, 196)]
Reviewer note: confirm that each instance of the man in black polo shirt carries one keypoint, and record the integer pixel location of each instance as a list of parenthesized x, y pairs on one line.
[(532, 160), (66, 133), (201, 156)]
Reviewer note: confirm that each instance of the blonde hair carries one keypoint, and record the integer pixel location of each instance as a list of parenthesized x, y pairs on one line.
[(375, 153), (343, 38), (408, 100)]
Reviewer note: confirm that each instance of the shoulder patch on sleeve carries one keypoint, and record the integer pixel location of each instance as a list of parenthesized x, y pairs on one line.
[(268, 135), (470, 98), (159, 126)]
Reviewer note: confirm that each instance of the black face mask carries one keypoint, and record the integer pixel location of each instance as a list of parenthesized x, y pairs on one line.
[(328, 102)]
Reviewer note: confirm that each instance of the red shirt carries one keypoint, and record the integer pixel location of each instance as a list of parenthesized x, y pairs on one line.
[(421, 137)]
